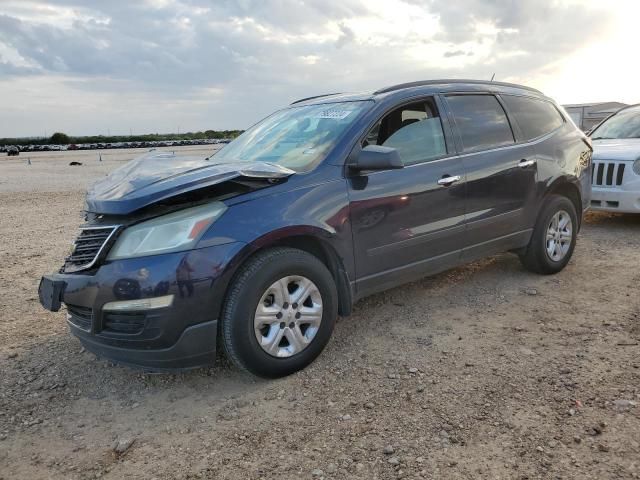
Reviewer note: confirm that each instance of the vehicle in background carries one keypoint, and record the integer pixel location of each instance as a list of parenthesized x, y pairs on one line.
[(616, 162), (12, 151), (327, 201), (98, 146), (588, 115)]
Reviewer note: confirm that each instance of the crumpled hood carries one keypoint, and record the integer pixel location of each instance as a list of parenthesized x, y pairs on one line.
[(159, 176), (624, 149)]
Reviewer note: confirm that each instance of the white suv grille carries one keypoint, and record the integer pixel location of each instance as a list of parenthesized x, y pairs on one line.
[(607, 174)]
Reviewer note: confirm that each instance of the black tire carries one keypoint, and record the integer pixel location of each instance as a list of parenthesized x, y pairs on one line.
[(536, 259), (247, 288)]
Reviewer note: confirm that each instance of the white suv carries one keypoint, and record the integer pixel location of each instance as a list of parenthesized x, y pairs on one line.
[(616, 162)]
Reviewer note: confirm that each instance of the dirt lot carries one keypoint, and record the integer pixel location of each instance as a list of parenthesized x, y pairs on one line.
[(485, 371)]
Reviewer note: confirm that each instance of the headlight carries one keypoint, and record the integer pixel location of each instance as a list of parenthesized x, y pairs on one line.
[(636, 167), (173, 232)]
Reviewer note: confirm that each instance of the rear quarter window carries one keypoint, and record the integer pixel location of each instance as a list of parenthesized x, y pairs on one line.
[(481, 121), (534, 117)]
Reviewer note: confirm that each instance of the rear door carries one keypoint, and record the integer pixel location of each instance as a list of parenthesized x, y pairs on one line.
[(408, 222), (501, 174)]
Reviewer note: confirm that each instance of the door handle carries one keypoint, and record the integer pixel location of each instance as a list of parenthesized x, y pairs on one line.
[(448, 180), (526, 163)]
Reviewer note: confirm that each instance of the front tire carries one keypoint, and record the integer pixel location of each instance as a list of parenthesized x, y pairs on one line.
[(279, 312), (554, 237)]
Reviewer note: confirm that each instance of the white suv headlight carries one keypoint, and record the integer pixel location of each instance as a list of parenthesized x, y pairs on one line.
[(173, 232), (636, 167)]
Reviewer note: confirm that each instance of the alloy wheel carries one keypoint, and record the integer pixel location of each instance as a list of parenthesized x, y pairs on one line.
[(559, 236), (288, 316)]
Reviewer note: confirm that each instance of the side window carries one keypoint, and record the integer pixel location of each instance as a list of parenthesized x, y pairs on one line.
[(534, 117), (414, 130), (481, 120)]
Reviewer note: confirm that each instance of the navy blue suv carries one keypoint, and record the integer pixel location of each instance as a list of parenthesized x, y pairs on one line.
[(261, 246)]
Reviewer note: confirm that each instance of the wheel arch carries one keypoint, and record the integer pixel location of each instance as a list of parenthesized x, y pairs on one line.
[(568, 189), (312, 240)]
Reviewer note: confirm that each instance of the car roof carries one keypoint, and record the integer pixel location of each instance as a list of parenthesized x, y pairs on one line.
[(424, 87)]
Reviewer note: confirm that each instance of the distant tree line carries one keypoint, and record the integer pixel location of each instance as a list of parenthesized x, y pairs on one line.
[(60, 138)]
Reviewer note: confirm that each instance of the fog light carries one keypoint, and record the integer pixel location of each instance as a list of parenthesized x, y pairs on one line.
[(141, 304)]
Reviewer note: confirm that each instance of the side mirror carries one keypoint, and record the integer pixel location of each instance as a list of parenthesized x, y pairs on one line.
[(377, 157)]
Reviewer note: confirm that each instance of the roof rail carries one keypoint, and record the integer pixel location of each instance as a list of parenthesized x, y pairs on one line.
[(455, 80), (315, 96)]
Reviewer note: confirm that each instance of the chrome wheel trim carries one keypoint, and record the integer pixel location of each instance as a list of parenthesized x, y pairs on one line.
[(288, 316), (559, 235)]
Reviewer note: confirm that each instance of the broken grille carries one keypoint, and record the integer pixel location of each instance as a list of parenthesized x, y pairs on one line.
[(607, 174), (88, 247)]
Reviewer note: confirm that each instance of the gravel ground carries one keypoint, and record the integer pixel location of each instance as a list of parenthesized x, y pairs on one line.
[(484, 371)]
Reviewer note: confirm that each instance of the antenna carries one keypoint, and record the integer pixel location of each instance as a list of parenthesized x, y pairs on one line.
[(493, 76)]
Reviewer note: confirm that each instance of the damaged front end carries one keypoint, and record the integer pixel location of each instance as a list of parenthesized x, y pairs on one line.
[(140, 286), (164, 177), (158, 185)]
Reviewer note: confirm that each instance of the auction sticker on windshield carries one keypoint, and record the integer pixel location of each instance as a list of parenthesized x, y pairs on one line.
[(334, 114)]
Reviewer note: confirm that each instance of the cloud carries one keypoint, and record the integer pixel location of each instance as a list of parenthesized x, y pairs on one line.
[(346, 36), (456, 53), (11, 69), (225, 64)]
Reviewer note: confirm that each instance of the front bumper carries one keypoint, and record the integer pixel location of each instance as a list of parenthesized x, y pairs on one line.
[(615, 188), (196, 347), (180, 336), (615, 199)]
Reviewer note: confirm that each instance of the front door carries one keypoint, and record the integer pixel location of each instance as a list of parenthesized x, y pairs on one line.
[(408, 222)]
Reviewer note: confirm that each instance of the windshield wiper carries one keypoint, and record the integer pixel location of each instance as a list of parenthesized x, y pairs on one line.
[(602, 138)]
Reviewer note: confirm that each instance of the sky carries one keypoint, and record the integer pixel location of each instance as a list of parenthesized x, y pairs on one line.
[(87, 67)]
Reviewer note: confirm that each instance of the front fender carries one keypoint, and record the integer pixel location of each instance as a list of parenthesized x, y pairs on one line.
[(320, 210), (314, 214)]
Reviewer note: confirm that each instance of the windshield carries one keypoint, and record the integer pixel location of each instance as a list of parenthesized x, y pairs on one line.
[(625, 124), (296, 138)]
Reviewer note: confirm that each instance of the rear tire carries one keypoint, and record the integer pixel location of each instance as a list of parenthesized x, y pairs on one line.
[(554, 237), (264, 329)]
